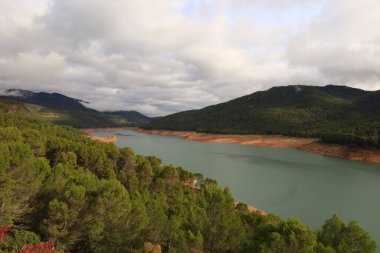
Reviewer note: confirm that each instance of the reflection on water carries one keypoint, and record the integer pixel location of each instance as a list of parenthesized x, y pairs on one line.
[(287, 196), (123, 134)]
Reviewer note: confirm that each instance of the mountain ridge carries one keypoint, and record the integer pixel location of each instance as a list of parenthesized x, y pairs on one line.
[(336, 114), (54, 99)]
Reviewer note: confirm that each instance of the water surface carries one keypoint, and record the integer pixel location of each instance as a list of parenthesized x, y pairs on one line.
[(287, 182)]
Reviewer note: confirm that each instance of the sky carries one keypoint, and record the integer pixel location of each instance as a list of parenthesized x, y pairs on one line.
[(164, 56)]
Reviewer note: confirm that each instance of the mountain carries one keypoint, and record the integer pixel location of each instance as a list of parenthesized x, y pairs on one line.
[(337, 114), (132, 115), (65, 110), (53, 100)]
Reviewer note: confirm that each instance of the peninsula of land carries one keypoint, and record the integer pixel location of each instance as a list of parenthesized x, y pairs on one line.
[(112, 138)]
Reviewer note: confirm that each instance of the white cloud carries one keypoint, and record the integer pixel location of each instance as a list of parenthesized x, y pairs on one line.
[(165, 56)]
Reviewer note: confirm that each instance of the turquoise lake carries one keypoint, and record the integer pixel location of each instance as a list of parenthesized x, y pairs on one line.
[(286, 182)]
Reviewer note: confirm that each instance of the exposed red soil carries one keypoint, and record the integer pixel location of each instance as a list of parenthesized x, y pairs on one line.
[(252, 209), (344, 151), (112, 138), (277, 141)]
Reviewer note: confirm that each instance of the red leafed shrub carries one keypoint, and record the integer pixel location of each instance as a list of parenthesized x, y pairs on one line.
[(42, 247), (4, 230)]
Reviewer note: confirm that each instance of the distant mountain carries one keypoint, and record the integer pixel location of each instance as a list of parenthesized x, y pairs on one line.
[(65, 110), (337, 114), (53, 100), (132, 115)]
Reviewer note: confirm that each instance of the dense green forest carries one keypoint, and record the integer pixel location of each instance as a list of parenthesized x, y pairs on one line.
[(59, 187), (336, 114)]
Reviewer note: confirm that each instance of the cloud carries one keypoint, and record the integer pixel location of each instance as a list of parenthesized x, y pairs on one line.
[(342, 45), (35, 67), (11, 93), (165, 56)]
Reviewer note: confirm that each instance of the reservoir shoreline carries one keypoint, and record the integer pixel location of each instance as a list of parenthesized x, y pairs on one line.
[(284, 181), (312, 145)]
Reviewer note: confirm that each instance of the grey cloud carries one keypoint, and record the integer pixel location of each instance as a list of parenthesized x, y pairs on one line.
[(342, 45)]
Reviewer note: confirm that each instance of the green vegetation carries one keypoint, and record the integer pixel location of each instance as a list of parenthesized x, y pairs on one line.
[(336, 114), (84, 196)]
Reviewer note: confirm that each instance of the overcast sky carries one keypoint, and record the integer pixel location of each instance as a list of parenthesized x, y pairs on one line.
[(164, 56)]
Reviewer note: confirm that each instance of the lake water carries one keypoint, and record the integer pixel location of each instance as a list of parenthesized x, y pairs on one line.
[(286, 182)]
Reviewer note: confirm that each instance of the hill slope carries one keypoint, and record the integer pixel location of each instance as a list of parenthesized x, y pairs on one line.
[(65, 110), (337, 114)]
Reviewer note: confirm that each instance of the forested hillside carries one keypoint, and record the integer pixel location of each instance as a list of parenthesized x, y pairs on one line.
[(79, 195), (65, 110), (337, 114)]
